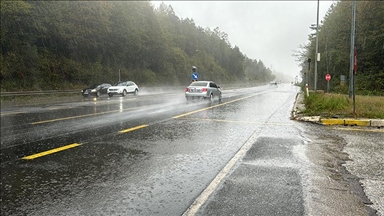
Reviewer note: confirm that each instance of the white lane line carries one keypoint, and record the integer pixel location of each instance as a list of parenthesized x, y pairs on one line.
[(221, 175)]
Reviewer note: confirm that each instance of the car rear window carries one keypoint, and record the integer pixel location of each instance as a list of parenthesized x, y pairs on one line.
[(199, 84)]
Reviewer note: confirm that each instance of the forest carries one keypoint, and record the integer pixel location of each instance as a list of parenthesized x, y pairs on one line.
[(334, 41), (56, 45), (49, 45)]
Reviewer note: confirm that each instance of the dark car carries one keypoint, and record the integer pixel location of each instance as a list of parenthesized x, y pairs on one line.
[(96, 90)]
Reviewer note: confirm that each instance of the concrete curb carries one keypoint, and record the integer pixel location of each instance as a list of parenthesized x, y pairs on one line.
[(354, 122)]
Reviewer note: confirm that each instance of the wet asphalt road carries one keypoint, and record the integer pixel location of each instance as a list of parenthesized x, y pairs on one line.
[(155, 154)]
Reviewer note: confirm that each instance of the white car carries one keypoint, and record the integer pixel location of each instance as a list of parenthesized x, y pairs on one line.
[(123, 88), (203, 89)]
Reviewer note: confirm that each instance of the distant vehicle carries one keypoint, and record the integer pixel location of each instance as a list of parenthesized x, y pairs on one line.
[(96, 89), (203, 90), (123, 88), (273, 83)]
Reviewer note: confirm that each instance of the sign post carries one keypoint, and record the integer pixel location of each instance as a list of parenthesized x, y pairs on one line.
[(328, 78)]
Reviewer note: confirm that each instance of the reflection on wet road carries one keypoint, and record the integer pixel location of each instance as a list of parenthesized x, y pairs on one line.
[(156, 156)]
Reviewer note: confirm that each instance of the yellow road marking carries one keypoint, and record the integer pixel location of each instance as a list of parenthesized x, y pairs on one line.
[(333, 121), (211, 107), (80, 116), (235, 121), (362, 129), (41, 154), (132, 129), (357, 122)]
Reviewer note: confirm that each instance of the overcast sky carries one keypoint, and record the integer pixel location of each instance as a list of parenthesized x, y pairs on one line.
[(264, 30)]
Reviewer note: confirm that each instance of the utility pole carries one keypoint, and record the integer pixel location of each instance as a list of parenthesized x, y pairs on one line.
[(317, 45), (309, 70), (352, 52)]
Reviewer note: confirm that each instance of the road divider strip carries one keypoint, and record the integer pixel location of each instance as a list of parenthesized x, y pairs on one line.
[(132, 129), (41, 154)]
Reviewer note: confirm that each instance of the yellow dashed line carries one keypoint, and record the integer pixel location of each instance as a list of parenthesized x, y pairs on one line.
[(41, 154), (132, 129)]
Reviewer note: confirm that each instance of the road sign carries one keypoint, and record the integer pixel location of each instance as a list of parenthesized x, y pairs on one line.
[(195, 76), (328, 77)]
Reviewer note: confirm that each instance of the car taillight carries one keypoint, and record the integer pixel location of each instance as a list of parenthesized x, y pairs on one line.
[(186, 89), (205, 89)]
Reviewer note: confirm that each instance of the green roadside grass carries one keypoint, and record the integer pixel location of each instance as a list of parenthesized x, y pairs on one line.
[(340, 105)]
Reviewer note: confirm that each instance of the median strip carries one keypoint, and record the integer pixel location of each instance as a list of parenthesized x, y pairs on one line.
[(41, 154)]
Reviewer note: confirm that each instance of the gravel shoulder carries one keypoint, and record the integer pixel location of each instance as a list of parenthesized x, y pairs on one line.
[(346, 168)]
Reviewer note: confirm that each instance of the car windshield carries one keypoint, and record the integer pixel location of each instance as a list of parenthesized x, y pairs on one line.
[(122, 84), (93, 86), (199, 84)]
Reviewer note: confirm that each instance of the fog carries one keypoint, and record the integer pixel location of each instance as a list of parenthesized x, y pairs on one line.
[(264, 30)]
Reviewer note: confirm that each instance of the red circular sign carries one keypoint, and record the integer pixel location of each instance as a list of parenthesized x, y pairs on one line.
[(328, 77)]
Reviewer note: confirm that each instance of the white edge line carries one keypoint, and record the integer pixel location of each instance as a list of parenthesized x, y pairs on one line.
[(220, 176)]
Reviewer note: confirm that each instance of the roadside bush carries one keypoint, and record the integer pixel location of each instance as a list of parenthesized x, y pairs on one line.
[(340, 105)]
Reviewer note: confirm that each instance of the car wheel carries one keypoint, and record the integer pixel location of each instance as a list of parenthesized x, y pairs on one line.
[(136, 92), (98, 94), (110, 95), (211, 97), (124, 93), (220, 98)]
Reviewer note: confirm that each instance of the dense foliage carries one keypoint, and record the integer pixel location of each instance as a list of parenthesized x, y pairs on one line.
[(334, 47), (67, 44)]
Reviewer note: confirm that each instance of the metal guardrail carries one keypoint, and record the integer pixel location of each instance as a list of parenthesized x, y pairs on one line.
[(31, 93)]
